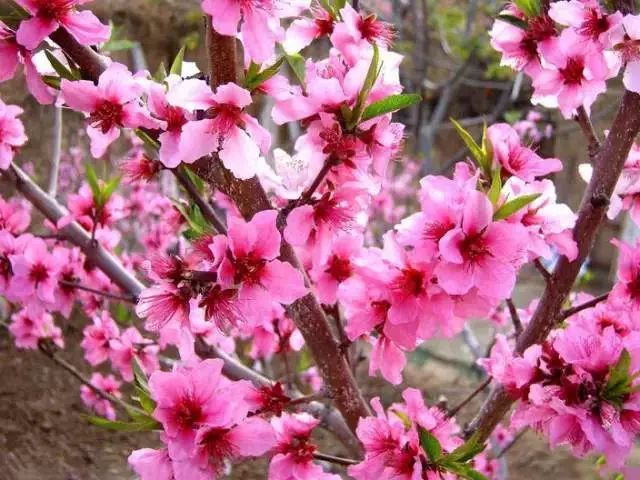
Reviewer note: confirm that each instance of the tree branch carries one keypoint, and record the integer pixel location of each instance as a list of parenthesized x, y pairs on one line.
[(515, 318), (589, 131), (56, 148), (583, 306), (608, 164), (205, 207)]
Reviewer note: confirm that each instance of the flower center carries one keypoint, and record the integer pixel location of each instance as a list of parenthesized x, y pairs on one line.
[(572, 73), (53, 9), (339, 268), (411, 282), (106, 116), (175, 119), (594, 25), (373, 30), (474, 248), (248, 269), (38, 273), (188, 413)]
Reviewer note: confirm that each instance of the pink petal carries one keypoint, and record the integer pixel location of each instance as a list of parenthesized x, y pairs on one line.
[(100, 141), (283, 281), (299, 225), (478, 212), (253, 437), (239, 153), (33, 31), (197, 140), (86, 28), (269, 238), (225, 15), (81, 95)]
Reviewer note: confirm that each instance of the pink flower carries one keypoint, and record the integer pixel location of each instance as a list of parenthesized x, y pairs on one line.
[(226, 128), (627, 288), (329, 274), (112, 104), (357, 32), (252, 264), (294, 451), (163, 303), (14, 216), (129, 345), (517, 159), (100, 405), (11, 55), (480, 252), (32, 324), (152, 464), (627, 50), (48, 15), (587, 18), (512, 371), (577, 74), (35, 272), (97, 338), (303, 31), (260, 27), (175, 118), (12, 133)]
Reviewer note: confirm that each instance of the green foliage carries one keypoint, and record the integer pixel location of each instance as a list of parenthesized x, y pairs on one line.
[(369, 81), (198, 225), (430, 444), (255, 77), (390, 104), (512, 206), (482, 153), (101, 191), (296, 62), (620, 381), (117, 42), (176, 66)]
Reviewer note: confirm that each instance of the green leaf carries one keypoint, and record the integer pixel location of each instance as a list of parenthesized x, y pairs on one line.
[(466, 451), (367, 86), (476, 150), (94, 183), (198, 182), (176, 66), (390, 104), (255, 79), (531, 8), (108, 189), (430, 444), (515, 21), (59, 67), (305, 361), (404, 418), (147, 139), (512, 206), (496, 186), (139, 377), (619, 381), (326, 4), (297, 64), (136, 426), (53, 82), (161, 73), (145, 400), (463, 470)]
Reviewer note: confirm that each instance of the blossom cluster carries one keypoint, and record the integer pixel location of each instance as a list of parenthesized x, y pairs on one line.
[(569, 49)]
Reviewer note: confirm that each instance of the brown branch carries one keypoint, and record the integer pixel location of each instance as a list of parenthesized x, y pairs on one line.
[(583, 306), (73, 232), (608, 165), (583, 119), (543, 271), (454, 411), (515, 318)]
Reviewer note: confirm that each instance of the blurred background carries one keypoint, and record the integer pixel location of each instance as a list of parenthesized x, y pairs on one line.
[(449, 61)]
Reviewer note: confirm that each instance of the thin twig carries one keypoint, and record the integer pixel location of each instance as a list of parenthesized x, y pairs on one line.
[(543, 271), (113, 296), (453, 412), (583, 306), (589, 131), (205, 207), (307, 194), (515, 318), (50, 353), (333, 459), (56, 153), (508, 446)]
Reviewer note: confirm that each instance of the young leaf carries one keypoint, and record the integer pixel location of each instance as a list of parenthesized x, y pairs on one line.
[(139, 377), (496, 186), (620, 381), (515, 21), (514, 205), (94, 183), (148, 141), (52, 81), (430, 444), (367, 86), (476, 150), (466, 451), (59, 67), (137, 426), (109, 188), (404, 418), (390, 104), (297, 64), (176, 66), (258, 78), (531, 8), (161, 73)]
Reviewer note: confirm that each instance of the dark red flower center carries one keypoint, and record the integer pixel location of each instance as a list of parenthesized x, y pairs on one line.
[(410, 281), (38, 273), (188, 413), (248, 269), (373, 30), (339, 268), (594, 25), (572, 73), (300, 448), (474, 248), (54, 9), (175, 119), (106, 116)]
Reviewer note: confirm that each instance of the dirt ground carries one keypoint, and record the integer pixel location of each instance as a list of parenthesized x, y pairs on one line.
[(43, 435)]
